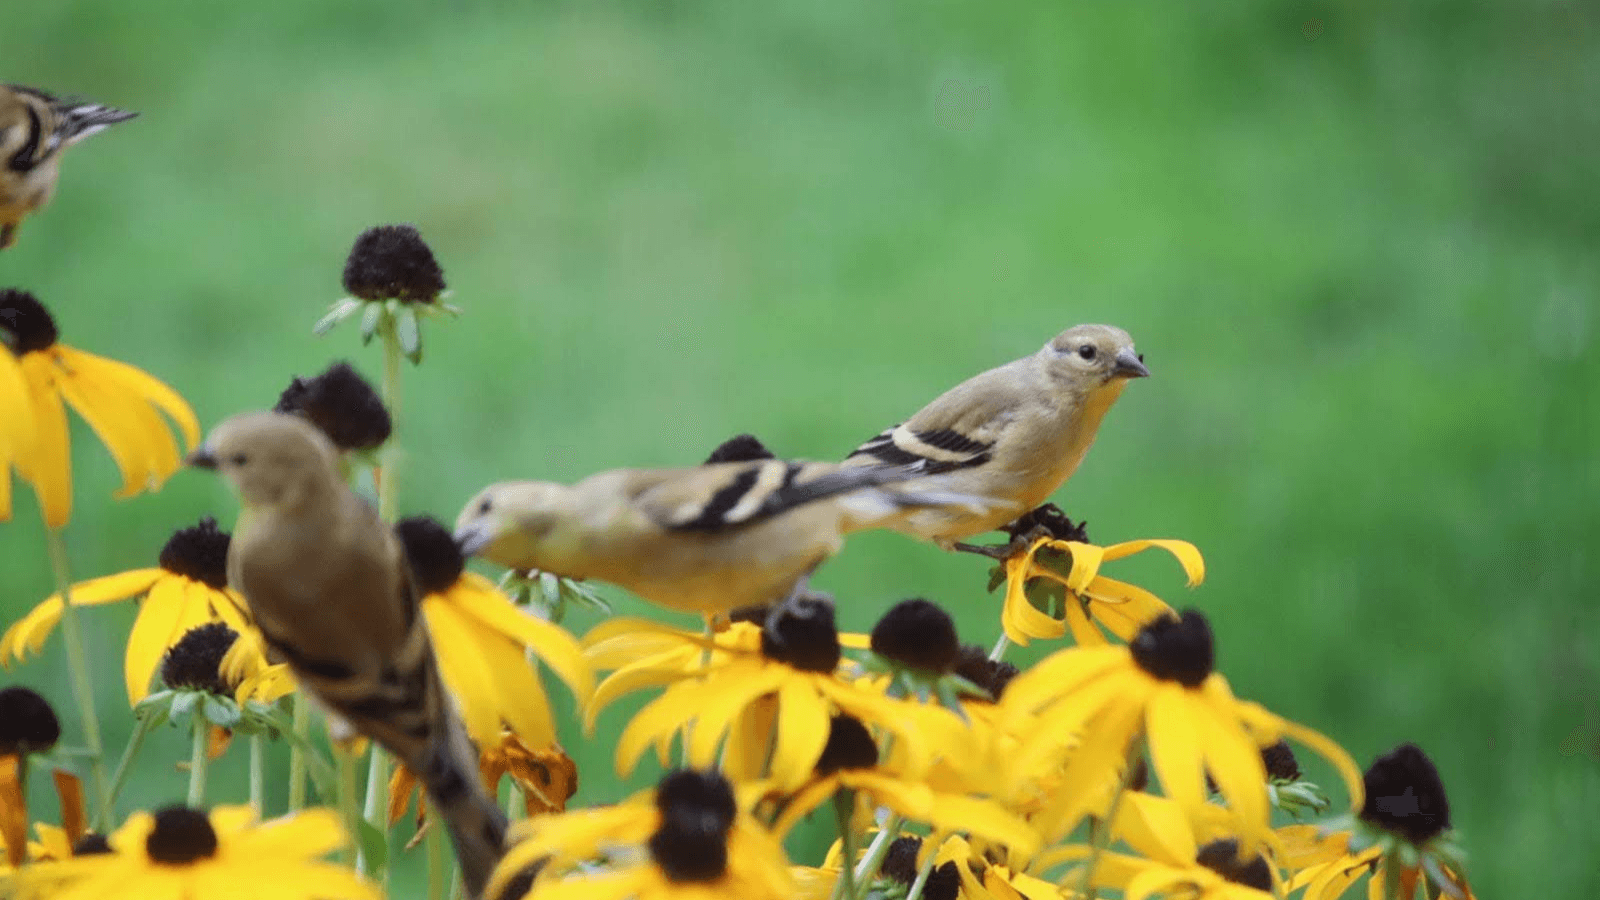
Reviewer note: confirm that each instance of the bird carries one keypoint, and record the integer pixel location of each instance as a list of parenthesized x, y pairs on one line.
[(35, 128), (328, 586), (707, 539), (1015, 433)]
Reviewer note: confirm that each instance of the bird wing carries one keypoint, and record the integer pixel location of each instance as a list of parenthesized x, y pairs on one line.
[(736, 495), (958, 430)]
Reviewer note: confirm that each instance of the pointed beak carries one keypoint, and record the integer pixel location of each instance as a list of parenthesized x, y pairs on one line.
[(1130, 365), (202, 458), (474, 537)]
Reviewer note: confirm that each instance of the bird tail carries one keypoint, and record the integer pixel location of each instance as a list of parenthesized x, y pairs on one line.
[(887, 504), (448, 771), (80, 120)]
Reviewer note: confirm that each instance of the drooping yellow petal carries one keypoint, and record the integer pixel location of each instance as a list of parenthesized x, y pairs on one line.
[(1235, 765), (623, 682), (1153, 881), (521, 699), (1100, 756), (718, 709), (1086, 559), (49, 466), (1124, 608), (463, 669), (802, 732), (1020, 620), (28, 634), (983, 819), (163, 618), (1156, 827), (1059, 673), (478, 597), (660, 718), (1188, 556), (112, 416), (17, 426), (143, 384), (1175, 732), (307, 834), (1045, 739)]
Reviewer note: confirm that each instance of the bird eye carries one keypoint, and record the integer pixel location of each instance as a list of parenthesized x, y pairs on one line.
[(239, 459), (483, 508), (1087, 352)]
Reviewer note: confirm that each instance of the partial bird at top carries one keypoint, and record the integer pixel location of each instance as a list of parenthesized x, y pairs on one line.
[(35, 127)]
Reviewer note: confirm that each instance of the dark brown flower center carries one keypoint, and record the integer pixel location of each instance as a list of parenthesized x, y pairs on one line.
[(435, 557), (91, 844), (1280, 762), (1222, 857), (1405, 795), (1176, 649), (521, 883), (918, 634), (198, 553), (342, 404), (697, 811), (195, 661), (392, 261), (739, 448), (973, 664), (804, 637), (25, 323), (27, 723), (944, 882), (850, 746), (181, 836), (1049, 519)]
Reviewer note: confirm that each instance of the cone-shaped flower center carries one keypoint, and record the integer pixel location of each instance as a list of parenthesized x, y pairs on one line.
[(917, 634), (342, 404), (27, 723), (973, 664), (1050, 518), (393, 261), (804, 637), (435, 557), (91, 844), (1222, 857), (181, 836), (199, 553), (739, 448), (194, 662), (1405, 795), (1280, 762), (943, 883), (25, 322), (1176, 649), (850, 746), (697, 810)]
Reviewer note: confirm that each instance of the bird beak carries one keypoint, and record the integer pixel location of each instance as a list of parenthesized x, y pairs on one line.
[(474, 537), (202, 458), (1130, 365)]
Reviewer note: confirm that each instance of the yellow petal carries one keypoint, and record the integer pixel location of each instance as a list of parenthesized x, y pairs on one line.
[(984, 819), (27, 635), (1152, 881), (1086, 559), (660, 718), (110, 413), (158, 626), (1058, 674), (803, 724), (520, 695), (1175, 732), (478, 597), (1236, 767), (465, 673), (717, 710), (1188, 556), (141, 383), (1156, 827), (48, 465)]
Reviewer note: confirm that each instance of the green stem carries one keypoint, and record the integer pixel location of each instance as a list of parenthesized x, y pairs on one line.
[(844, 805), (258, 779), (389, 486), (297, 753), (141, 730), (1000, 647), (82, 681), (349, 809), (514, 805), (923, 871), (1100, 838), (438, 863), (377, 805), (879, 849), (198, 760)]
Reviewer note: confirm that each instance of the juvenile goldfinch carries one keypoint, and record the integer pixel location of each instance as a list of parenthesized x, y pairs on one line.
[(35, 128), (1014, 434), (329, 587), (707, 539)]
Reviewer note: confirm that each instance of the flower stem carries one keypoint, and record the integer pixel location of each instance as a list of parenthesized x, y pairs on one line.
[(923, 871), (348, 807), (1100, 837), (198, 760), (141, 730), (82, 682), (297, 754), (844, 805), (258, 779), (438, 863), (1000, 647), (868, 868)]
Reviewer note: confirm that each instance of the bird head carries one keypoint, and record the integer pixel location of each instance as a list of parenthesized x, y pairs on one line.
[(1094, 354), (514, 524), (273, 460)]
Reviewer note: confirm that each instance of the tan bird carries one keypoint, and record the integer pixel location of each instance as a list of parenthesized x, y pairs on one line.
[(707, 539), (35, 128), (330, 589), (1014, 434)]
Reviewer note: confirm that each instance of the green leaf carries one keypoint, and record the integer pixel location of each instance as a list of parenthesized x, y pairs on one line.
[(343, 309), (369, 322), (183, 704), (221, 712), (374, 845), (410, 335)]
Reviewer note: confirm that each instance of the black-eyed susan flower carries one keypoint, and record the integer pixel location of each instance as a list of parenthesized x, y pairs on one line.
[(255, 677), (122, 404), (547, 778), (1091, 706), (393, 280), (342, 404), (481, 640), (981, 878), (797, 667), (27, 725), (189, 587), (16, 426), (181, 853), (1065, 579), (685, 840), (1401, 837)]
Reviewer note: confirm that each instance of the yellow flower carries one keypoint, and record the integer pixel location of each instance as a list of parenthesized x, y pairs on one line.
[(982, 879), (482, 640), (16, 425), (121, 403), (757, 685), (1090, 599), (1092, 704), (188, 588), (686, 839), (181, 853), (547, 778), (258, 679)]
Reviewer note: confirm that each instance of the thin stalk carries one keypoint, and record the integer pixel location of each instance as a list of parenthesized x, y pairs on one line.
[(1100, 838), (514, 808), (297, 754), (1000, 647), (141, 730), (844, 805), (258, 779), (82, 681), (377, 806), (438, 863), (923, 871), (878, 849), (199, 759), (349, 809)]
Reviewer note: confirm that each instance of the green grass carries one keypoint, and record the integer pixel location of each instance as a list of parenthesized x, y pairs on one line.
[(1360, 266)]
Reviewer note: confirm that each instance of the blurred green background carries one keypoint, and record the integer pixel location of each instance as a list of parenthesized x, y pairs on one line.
[(1355, 241)]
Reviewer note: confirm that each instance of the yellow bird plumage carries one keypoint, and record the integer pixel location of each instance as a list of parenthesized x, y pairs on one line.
[(35, 128), (707, 539), (1014, 433), (330, 589)]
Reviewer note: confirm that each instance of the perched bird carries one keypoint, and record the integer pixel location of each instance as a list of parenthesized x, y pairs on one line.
[(329, 587), (707, 539), (35, 128), (1014, 434)]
